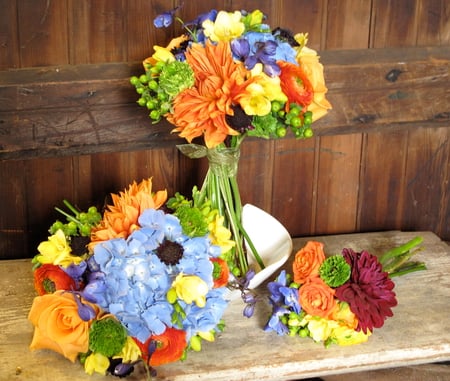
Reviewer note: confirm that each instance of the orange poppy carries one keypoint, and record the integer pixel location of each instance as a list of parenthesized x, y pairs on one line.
[(170, 347), (295, 84), (221, 277)]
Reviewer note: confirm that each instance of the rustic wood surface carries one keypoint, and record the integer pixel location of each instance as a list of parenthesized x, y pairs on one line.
[(419, 332)]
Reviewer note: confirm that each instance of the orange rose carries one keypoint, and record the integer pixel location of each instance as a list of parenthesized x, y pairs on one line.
[(58, 326), (309, 62), (307, 261), (317, 298), (50, 278)]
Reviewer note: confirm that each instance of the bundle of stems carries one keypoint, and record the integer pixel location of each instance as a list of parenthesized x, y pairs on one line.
[(396, 262)]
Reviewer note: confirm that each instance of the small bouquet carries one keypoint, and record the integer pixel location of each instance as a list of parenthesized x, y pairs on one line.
[(143, 282), (230, 75), (340, 298)]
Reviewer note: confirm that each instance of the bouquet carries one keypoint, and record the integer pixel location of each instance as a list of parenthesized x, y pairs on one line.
[(145, 281), (338, 299), (229, 76)]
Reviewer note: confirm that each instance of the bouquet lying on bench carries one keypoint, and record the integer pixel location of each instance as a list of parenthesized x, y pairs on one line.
[(151, 286), (338, 298)]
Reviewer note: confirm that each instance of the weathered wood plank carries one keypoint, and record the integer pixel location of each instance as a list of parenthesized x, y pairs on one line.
[(257, 355), (42, 32), (382, 182), (86, 109), (337, 195)]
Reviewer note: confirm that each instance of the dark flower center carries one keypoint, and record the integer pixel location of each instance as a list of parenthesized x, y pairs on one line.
[(78, 245), (169, 252), (240, 121)]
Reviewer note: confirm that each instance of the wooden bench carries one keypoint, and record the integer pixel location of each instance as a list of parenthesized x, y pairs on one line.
[(419, 332)]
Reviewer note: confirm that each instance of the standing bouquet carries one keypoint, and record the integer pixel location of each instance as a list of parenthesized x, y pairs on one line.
[(229, 76), (143, 282)]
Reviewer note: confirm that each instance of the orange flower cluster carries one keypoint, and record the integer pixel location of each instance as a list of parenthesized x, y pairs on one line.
[(121, 218), (316, 297), (220, 82)]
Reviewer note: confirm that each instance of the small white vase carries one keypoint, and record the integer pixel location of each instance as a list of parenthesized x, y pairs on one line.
[(271, 240)]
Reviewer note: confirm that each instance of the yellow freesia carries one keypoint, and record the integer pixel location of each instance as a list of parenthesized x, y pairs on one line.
[(320, 328), (57, 251), (96, 362), (130, 351), (262, 92), (191, 288), (162, 54), (228, 25), (220, 235), (344, 336), (255, 18)]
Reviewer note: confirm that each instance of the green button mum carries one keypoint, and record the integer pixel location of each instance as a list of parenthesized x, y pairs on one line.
[(107, 336), (335, 271)]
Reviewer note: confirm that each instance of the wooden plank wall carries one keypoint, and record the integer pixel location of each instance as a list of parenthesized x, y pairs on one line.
[(333, 183)]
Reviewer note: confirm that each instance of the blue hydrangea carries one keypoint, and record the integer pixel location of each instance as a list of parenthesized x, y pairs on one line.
[(129, 280)]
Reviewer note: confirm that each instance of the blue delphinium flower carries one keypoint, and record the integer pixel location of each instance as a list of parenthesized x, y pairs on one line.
[(264, 48), (165, 19), (284, 299)]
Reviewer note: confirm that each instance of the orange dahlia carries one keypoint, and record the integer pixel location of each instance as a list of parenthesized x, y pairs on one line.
[(121, 218), (219, 84)]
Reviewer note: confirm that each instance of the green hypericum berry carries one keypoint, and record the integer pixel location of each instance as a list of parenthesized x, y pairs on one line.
[(308, 133), (143, 78), (107, 336), (335, 271)]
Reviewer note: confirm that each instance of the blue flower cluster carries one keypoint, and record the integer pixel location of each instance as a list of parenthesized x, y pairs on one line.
[(283, 299), (130, 280)]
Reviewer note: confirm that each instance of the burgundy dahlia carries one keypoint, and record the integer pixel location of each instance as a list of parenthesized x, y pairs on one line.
[(368, 291)]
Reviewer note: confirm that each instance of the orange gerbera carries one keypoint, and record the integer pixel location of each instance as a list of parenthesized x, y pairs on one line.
[(219, 83), (121, 218), (295, 84)]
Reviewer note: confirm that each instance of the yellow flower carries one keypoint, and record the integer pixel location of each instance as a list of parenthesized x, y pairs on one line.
[(130, 351), (191, 288), (57, 251), (162, 54), (261, 93), (344, 315), (220, 235), (255, 18), (96, 362), (320, 328), (226, 27), (302, 40), (344, 336)]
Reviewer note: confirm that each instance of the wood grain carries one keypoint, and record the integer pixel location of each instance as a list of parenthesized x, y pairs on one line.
[(410, 337)]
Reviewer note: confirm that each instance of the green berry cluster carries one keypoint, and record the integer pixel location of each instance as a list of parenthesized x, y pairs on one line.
[(77, 223), (277, 123), (160, 84), (296, 119)]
